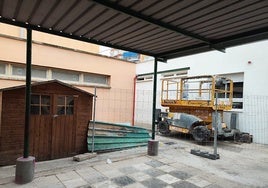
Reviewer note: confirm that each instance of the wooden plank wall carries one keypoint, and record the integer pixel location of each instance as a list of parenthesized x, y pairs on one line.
[(12, 127), (83, 117)]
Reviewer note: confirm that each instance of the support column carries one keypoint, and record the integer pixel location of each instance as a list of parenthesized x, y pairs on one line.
[(153, 144), (25, 165)]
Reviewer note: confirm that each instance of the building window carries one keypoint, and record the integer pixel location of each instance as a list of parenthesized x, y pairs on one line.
[(39, 73), (178, 74), (144, 78), (40, 104), (65, 105), (21, 71), (18, 71), (238, 90), (96, 79), (237, 94), (2, 69), (66, 76)]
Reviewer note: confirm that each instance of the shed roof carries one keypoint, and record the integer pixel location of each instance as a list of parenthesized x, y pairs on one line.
[(161, 28), (47, 82)]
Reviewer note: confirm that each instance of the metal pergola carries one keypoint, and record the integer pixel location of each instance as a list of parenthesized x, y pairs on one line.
[(163, 29)]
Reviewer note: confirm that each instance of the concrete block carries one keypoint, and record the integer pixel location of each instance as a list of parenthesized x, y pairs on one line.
[(24, 170), (153, 147), (84, 156)]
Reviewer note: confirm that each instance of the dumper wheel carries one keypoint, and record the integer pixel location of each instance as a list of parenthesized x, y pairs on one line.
[(163, 127), (200, 133)]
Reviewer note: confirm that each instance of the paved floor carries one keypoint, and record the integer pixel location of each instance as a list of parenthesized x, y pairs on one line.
[(240, 165)]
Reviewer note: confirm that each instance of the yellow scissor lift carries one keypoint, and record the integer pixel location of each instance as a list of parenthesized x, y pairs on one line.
[(192, 102)]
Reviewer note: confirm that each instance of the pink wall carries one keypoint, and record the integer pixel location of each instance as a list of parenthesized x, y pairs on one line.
[(118, 98)]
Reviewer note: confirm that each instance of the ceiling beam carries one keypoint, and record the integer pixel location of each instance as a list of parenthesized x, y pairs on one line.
[(158, 23), (243, 38)]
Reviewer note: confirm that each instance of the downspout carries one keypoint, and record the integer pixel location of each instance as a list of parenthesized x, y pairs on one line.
[(134, 100)]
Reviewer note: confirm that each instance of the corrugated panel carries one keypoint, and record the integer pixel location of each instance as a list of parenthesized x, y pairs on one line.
[(161, 28)]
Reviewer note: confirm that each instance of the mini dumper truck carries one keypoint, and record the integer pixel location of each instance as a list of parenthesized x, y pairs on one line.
[(194, 104)]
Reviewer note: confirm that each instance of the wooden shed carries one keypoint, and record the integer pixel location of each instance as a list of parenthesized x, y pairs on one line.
[(59, 120)]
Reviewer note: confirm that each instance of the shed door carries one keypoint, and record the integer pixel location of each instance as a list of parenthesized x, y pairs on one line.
[(63, 126), (52, 126), (41, 126)]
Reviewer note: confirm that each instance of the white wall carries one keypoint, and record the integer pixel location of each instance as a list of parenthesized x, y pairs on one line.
[(253, 117)]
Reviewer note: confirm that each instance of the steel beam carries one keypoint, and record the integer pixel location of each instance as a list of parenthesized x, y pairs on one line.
[(27, 93), (154, 97)]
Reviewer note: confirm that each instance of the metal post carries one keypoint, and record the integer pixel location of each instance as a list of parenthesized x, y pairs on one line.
[(27, 93), (154, 97), (94, 119), (216, 126), (25, 165)]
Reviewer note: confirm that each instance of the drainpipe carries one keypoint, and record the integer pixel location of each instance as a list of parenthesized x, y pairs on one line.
[(134, 101)]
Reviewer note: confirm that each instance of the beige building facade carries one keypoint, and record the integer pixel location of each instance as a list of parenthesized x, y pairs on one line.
[(73, 62)]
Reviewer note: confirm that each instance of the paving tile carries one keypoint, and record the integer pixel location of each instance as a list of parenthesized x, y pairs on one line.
[(168, 178), (166, 168), (140, 176), (123, 180), (166, 160), (184, 184), (105, 184), (67, 176), (135, 185), (72, 183), (91, 175), (154, 172), (169, 186), (154, 163), (47, 181), (198, 181), (14, 185), (180, 174), (154, 183), (214, 186), (142, 166), (128, 170), (112, 173)]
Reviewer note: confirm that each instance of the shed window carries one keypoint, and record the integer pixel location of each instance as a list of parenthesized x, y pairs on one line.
[(40, 104), (65, 105)]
